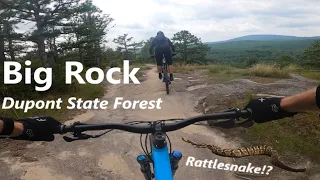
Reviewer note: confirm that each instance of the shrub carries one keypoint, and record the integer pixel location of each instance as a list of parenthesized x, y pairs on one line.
[(271, 70), (218, 68)]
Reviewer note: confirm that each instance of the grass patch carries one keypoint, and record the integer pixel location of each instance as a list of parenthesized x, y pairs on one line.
[(224, 73), (311, 74), (271, 70), (287, 138), (261, 72), (187, 68), (213, 69), (140, 65)]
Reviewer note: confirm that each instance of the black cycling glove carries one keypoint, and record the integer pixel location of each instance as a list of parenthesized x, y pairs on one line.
[(267, 109), (39, 128)]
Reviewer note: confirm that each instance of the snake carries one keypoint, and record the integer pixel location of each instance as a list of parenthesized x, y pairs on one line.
[(248, 151)]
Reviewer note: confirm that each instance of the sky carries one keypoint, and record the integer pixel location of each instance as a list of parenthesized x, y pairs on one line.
[(212, 20)]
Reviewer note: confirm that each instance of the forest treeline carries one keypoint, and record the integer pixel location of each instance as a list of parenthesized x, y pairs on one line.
[(282, 52)]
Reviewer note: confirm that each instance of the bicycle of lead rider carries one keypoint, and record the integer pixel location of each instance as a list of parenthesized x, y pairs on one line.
[(166, 78), (164, 160)]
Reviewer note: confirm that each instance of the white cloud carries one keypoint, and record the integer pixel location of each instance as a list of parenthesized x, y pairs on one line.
[(213, 20)]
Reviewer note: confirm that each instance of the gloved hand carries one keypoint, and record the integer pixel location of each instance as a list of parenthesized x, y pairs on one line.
[(39, 128), (267, 109)]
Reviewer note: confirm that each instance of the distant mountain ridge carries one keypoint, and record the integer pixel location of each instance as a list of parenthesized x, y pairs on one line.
[(265, 37)]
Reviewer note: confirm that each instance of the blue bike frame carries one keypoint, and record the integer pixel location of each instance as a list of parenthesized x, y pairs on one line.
[(162, 165), (165, 164)]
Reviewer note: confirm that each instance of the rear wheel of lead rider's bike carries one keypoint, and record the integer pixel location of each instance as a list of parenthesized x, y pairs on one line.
[(167, 86), (166, 80)]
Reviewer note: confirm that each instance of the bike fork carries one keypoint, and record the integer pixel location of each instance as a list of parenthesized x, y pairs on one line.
[(175, 157), (145, 167)]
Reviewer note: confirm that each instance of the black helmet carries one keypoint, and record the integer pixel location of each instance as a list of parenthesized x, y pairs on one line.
[(160, 33)]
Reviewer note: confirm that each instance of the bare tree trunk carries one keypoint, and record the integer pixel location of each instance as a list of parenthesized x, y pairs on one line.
[(80, 54), (55, 51), (126, 48), (11, 50), (41, 40), (42, 51), (54, 47), (98, 53), (2, 55), (185, 50), (79, 50), (7, 28)]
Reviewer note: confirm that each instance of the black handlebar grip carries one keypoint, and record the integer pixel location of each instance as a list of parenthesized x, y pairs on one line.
[(59, 129)]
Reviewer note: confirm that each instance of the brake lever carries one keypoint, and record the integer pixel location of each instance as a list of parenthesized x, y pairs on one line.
[(81, 136), (77, 134), (247, 123), (227, 124), (234, 122)]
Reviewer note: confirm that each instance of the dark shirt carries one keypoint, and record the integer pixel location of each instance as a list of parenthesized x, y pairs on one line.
[(161, 42)]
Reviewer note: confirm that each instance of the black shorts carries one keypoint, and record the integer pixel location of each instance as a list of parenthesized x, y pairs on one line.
[(166, 51)]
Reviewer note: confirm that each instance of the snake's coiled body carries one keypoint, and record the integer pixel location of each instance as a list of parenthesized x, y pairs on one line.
[(249, 151)]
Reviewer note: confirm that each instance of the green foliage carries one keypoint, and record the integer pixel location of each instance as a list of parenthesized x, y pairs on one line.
[(126, 47), (8, 33), (285, 60), (250, 61), (87, 34), (80, 24), (144, 53), (189, 48), (112, 58), (312, 55), (81, 28), (46, 14)]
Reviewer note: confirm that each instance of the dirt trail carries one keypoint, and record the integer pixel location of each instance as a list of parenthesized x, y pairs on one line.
[(113, 156)]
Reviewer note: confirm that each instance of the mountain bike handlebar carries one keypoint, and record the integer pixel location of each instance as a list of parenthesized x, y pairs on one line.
[(151, 128)]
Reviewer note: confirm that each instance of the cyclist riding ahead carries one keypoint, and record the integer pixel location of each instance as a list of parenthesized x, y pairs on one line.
[(163, 46)]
